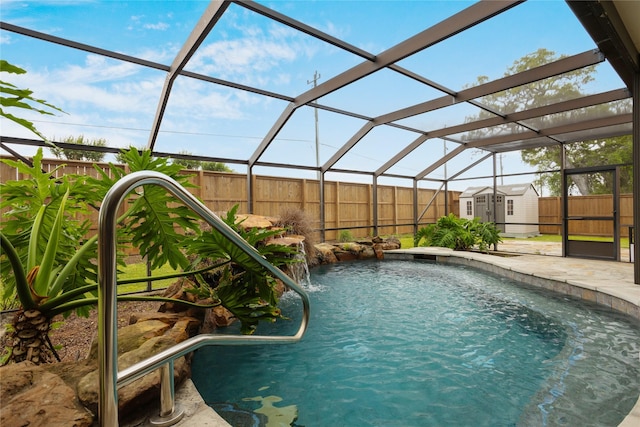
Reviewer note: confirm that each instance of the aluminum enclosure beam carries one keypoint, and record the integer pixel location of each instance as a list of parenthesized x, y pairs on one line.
[(535, 74), (450, 155), (208, 20), (139, 61), (573, 104), (551, 131), (636, 176), (467, 18), (283, 19), (603, 23), (471, 166), (345, 148), (561, 66), (557, 130), (82, 46)]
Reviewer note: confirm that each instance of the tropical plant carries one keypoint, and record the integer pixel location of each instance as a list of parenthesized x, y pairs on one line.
[(486, 233), (152, 214), (459, 234), (14, 97), (48, 262), (241, 283)]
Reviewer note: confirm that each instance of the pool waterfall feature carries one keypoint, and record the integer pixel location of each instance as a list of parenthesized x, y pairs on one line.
[(263, 392), (299, 270)]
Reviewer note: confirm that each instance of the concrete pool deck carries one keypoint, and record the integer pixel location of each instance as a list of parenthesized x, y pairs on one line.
[(605, 282)]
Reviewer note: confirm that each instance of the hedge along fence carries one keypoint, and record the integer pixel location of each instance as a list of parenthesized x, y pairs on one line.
[(550, 212), (348, 206)]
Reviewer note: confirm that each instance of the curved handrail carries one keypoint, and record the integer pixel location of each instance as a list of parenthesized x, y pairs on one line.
[(109, 377)]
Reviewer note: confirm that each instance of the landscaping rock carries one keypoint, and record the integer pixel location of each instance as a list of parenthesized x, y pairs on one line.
[(390, 243), (147, 388), (327, 253), (248, 222), (132, 336), (33, 397)]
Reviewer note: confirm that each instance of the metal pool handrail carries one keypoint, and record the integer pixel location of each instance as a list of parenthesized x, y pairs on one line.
[(109, 377)]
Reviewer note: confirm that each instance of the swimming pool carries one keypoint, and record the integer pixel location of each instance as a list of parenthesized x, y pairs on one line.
[(403, 343)]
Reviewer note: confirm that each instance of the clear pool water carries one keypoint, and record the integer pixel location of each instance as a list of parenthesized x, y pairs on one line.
[(398, 343)]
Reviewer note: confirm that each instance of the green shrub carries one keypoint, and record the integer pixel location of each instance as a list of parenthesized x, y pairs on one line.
[(459, 234), (345, 236)]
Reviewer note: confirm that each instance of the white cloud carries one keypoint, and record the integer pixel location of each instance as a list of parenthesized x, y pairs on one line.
[(160, 26), (243, 59), (200, 101), (162, 54)]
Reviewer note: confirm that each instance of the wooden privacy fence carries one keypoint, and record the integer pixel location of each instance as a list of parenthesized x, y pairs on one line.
[(348, 206), (550, 212)]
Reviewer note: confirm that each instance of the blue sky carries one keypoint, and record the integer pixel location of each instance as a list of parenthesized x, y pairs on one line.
[(109, 99)]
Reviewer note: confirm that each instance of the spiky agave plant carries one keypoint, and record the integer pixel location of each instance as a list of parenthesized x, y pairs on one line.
[(48, 257)]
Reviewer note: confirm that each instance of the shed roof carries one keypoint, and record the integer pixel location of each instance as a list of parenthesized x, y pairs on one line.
[(507, 190)]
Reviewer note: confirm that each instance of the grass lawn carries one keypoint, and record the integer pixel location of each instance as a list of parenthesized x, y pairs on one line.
[(132, 271), (624, 241), (407, 240)]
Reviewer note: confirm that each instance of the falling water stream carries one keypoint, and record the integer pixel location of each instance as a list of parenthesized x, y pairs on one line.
[(299, 270)]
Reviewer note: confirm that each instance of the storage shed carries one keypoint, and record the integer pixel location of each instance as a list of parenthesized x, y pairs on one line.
[(516, 205)]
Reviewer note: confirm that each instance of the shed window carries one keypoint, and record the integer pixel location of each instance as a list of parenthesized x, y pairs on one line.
[(510, 207), (469, 208)]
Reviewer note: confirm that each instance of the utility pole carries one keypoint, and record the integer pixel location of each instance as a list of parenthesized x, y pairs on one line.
[(316, 77), (444, 146)]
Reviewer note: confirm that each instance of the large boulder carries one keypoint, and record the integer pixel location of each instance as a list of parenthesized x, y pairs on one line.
[(32, 396), (147, 388), (247, 221), (325, 253), (328, 253)]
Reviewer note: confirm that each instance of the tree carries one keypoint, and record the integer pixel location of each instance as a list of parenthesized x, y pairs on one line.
[(583, 154), (216, 167), (80, 153), (549, 91), (199, 164), (21, 98)]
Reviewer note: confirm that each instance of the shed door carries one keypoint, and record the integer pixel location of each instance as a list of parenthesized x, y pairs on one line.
[(483, 205)]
